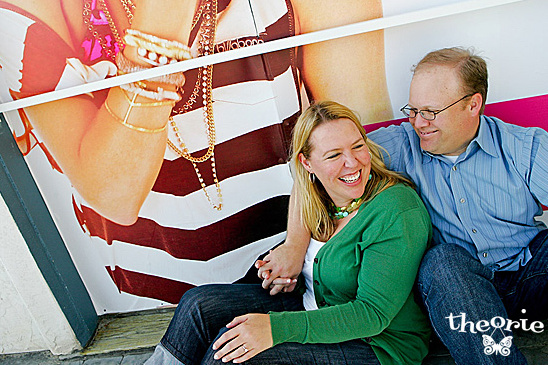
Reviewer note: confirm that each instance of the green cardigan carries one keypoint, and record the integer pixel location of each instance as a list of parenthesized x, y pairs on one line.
[(364, 276)]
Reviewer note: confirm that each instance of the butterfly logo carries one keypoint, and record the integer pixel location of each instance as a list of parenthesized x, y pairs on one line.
[(502, 348)]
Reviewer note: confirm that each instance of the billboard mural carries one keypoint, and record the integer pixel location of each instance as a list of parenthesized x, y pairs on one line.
[(158, 186)]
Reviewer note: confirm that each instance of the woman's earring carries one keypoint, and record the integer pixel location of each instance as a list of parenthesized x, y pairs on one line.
[(312, 177)]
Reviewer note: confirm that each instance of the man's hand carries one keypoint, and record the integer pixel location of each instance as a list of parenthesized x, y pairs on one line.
[(280, 268)]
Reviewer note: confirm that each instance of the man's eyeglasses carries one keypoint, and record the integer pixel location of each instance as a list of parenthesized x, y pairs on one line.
[(428, 114)]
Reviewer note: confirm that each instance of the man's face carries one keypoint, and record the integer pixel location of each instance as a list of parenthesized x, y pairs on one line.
[(433, 88)]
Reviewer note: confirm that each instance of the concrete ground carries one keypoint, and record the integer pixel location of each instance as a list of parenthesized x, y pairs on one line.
[(121, 339), (137, 357), (129, 339)]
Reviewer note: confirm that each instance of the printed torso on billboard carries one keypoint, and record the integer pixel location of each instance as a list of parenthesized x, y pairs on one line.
[(255, 103)]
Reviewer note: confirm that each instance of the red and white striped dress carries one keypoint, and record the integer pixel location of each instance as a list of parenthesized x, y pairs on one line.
[(179, 240)]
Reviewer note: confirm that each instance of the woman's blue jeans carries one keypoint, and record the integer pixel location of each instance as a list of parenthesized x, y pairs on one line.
[(458, 291), (204, 311)]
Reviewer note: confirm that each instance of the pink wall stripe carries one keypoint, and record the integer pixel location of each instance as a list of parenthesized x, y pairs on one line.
[(526, 112)]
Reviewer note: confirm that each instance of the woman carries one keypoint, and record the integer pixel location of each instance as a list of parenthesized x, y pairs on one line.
[(150, 174), (369, 229)]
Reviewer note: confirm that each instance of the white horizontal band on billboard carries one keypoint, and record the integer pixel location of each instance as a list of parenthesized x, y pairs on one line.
[(270, 46)]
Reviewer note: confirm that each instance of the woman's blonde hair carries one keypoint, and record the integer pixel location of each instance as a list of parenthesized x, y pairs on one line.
[(313, 198)]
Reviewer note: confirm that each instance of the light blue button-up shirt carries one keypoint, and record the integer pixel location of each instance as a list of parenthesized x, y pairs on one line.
[(488, 199)]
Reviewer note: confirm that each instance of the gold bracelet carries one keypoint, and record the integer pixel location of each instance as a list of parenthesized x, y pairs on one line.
[(157, 103), (159, 94), (131, 126)]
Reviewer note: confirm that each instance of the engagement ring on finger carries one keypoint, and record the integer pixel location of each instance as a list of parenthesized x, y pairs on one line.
[(245, 349)]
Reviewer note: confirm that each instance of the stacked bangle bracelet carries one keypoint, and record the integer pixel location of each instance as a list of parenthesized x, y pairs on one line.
[(154, 50)]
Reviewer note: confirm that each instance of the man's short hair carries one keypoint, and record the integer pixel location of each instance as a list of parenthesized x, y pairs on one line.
[(471, 68)]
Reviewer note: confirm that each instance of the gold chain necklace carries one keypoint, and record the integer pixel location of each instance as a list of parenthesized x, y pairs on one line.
[(129, 7), (110, 50), (111, 23), (208, 13), (204, 82)]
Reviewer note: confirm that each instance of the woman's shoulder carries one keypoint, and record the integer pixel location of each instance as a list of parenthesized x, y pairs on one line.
[(36, 10), (32, 41), (57, 17), (398, 198)]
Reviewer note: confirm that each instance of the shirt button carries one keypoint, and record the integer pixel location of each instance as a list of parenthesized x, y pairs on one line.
[(316, 260), (485, 254), (454, 168), (462, 200), (474, 231), (316, 282)]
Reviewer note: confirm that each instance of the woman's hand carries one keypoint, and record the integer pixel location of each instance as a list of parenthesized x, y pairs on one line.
[(279, 269), (247, 336)]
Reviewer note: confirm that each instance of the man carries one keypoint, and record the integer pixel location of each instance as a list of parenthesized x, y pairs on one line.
[(483, 182)]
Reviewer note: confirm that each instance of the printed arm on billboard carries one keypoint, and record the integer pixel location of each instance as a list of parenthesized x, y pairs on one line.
[(349, 70), (112, 167)]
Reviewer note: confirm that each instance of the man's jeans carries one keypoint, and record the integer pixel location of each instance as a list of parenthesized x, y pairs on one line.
[(453, 282), (204, 311)]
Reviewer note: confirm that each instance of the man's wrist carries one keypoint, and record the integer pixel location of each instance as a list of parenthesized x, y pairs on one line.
[(298, 243)]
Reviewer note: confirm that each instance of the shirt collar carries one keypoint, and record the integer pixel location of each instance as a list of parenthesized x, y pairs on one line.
[(484, 140)]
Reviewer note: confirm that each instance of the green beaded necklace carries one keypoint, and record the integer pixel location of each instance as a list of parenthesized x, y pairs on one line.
[(336, 212), (340, 212)]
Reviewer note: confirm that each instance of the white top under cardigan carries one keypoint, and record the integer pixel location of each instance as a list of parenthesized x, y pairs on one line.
[(309, 300)]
